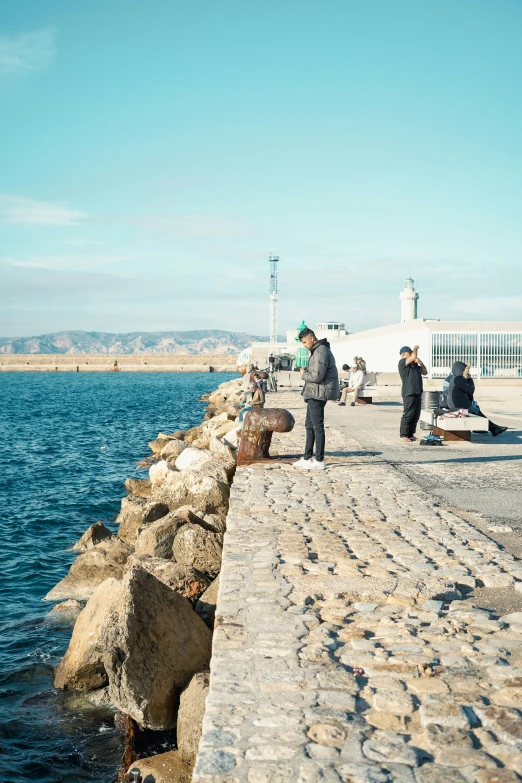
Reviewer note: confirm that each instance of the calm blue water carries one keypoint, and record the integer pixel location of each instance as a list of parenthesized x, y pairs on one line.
[(67, 443)]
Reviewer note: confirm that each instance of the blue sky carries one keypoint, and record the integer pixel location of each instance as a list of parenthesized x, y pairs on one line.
[(153, 154)]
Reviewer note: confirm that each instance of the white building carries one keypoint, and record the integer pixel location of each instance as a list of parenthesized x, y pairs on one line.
[(492, 348)]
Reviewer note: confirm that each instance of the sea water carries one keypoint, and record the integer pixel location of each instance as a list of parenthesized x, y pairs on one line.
[(68, 441)]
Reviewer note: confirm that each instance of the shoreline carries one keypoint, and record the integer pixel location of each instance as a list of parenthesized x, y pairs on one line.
[(149, 592)]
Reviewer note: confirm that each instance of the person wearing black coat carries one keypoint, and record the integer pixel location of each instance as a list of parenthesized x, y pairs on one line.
[(460, 395)]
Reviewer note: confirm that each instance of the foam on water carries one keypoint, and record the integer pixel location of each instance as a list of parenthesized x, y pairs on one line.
[(67, 443)]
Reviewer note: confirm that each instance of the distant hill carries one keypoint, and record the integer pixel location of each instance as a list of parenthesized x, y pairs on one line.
[(198, 341)]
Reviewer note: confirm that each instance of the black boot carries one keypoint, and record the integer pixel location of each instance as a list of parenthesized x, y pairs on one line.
[(496, 430)]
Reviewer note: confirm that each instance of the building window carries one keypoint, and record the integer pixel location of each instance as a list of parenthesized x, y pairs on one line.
[(449, 348), (491, 355), (501, 355)]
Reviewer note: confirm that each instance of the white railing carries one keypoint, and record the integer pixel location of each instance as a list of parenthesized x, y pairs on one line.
[(490, 354)]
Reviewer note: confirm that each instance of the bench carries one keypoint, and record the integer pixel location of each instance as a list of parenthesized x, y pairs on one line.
[(455, 429), (366, 396)]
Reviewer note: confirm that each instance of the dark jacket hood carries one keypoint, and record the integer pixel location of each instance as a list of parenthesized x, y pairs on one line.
[(324, 341), (458, 368)]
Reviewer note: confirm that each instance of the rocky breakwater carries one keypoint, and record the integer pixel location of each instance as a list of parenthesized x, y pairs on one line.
[(145, 598)]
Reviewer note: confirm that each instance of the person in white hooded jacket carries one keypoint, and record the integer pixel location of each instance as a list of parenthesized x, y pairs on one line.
[(356, 384)]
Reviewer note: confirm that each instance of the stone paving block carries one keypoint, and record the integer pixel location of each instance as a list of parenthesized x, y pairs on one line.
[(345, 650)]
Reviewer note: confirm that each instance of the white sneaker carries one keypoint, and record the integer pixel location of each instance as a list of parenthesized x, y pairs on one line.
[(315, 465), (304, 464)]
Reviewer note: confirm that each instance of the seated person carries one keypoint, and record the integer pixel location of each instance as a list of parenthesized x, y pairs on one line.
[(258, 400), (344, 381), (460, 395), (355, 385)]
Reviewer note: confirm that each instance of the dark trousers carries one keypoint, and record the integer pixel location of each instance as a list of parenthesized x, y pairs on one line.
[(492, 427), (411, 414), (315, 429)]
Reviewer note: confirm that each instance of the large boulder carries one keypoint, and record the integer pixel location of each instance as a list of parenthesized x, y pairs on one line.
[(233, 437), (92, 536), (142, 488), (148, 461), (173, 449), (157, 538), (154, 649), (206, 605), (194, 488), (136, 516), (199, 548), (215, 468), (192, 458), (190, 716), (185, 580), (194, 432), (66, 611), (158, 443), (222, 451), (130, 516), (106, 559), (158, 472), (82, 666), (163, 768), (215, 522)]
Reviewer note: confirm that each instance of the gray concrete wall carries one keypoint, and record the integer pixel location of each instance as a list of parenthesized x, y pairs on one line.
[(126, 363)]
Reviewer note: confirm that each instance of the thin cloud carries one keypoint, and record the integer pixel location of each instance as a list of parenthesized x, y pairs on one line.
[(32, 51), (66, 262), (80, 242), (198, 226), (30, 212)]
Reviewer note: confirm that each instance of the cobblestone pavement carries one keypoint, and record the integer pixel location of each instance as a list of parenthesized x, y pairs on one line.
[(345, 649)]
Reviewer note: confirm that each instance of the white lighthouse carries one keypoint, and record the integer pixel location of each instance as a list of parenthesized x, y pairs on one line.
[(409, 297)]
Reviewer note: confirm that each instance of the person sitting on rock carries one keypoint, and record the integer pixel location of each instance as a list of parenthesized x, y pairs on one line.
[(460, 395), (257, 402)]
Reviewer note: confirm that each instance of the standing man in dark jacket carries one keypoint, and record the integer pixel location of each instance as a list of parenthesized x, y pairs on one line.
[(460, 395), (411, 370), (321, 379)]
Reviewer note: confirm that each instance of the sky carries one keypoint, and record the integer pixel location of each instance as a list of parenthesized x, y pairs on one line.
[(152, 155)]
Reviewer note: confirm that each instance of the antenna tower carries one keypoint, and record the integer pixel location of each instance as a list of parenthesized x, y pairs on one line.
[(274, 260)]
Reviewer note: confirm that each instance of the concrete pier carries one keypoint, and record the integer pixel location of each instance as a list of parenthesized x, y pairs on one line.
[(117, 363), (353, 643)]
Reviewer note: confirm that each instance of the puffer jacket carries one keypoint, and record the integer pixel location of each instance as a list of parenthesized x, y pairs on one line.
[(321, 376), (461, 390)]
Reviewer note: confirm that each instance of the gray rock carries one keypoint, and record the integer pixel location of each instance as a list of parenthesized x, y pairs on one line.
[(206, 606), (136, 514), (186, 581), (172, 450), (388, 746), (66, 611), (192, 488), (82, 666), (158, 443), (199, 548), (434, 773), (163, 768), (140, 487), (153, 650), (92, 536), (106, 559), (514, 618), (190, 716), (130, 517)]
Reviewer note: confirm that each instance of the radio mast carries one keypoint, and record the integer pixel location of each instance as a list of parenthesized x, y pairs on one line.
[(274, 260)]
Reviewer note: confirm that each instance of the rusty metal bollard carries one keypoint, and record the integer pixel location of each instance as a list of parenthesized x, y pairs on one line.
[(256, 435)]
